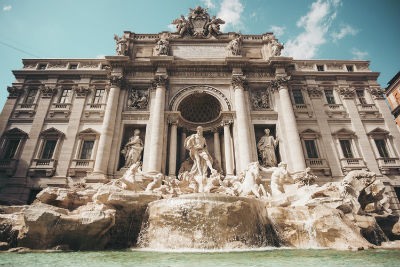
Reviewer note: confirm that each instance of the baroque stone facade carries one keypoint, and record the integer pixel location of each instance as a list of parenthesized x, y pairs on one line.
[(70, 119)]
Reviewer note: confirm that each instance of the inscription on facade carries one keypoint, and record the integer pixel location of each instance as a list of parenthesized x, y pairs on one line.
[(197, 51)]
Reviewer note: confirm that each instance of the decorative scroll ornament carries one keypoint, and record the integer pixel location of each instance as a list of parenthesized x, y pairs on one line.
[(198, 24), (278, 82), (238, 81), (159, 80), (116, 80), (346, 92), (137, 99), (314, 92), (81, 91), (161, 48), (376, 92), (47, 91), (14, 92)]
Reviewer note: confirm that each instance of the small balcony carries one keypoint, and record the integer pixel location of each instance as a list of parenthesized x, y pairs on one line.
[(368, 111), (318, 165), (29, 109), (80, 166), (8, 166), (349, 164), (60, 108), (302, 110), (93, 108), (45, 167), (335, 110), (389, 165)]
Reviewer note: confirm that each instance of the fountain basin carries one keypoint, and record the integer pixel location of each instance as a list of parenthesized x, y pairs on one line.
[(206, 221)]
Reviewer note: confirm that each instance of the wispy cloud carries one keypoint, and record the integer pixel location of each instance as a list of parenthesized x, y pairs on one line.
[(208, 3), (171, 27), (277, 30), (7, 8), (100, 56), (231, 12), (343, 32), (316, 24), (358, 54)]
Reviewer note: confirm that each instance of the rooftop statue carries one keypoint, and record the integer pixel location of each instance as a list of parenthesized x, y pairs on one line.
[(121, 45)]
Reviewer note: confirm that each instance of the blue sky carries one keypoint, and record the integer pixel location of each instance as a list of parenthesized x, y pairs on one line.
[(319, 29)]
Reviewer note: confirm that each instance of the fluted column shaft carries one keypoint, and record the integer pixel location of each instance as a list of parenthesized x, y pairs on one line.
[(173, 148), (229, 167)]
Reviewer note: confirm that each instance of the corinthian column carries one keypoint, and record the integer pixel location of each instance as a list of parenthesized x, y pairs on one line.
[(294, 149), (217, 147), (242, 122), (107, 130), (157, 125)]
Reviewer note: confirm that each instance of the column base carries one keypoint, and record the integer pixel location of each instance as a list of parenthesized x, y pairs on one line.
[(96, 177)]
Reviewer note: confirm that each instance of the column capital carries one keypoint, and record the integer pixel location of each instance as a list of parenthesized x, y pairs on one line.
[(279, 83), (376, 92), (116, 80), (14, 92), (314, 91), (238, 81), (159, 80), (82, 91), (226, 122), (346, 92), (48, 91)]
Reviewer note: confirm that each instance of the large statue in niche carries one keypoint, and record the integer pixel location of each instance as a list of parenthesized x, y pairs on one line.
[(266, 147), (196, 144), (133, 149)]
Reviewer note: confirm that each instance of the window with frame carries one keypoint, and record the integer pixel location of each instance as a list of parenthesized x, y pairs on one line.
[(330, 98), (11, 144), (298, 97), (345, 145), (10, 148), (73, 66), (65, 96), (42, 66), (361, 96), (98, 96), (87, 149), (31, 96), (320, 68), (49, 147), (382, 148), (311, 149)]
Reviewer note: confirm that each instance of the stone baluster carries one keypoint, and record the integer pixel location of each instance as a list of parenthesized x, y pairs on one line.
[(157, 125), (242, 122), (173, 147), (229, 164), (107, 131)]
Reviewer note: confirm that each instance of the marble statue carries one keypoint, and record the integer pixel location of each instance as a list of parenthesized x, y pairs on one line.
[(196, 144), (235, 46), (276, 48), (280, 176), (213, 26), (121, 45), (182, 25), (162, 48), (266, 147), (133, 149), (251, 184)]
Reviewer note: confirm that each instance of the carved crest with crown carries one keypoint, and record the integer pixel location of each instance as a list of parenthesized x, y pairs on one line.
[(198, 24)]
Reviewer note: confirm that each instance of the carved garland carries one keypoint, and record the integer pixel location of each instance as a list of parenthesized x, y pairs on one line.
[(376, 92), (14, 92), (47, 91), (314, 92), (81, 91)]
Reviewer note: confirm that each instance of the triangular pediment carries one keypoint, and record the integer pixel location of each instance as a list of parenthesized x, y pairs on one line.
[(52, 131), (15, 131), (378, 131), (310, 133), (344, 131), (89, 131)]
